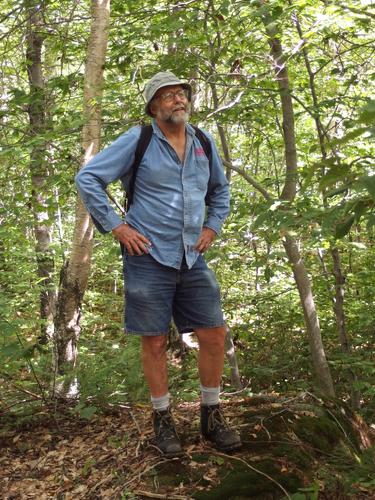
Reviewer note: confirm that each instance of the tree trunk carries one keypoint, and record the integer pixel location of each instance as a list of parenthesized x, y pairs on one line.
[(301, 277), (214, 56), (75, 273), (320, 364), (232, 360), (340, 321), (39, 166), (229, 344), (338, 299), (221, 131), (282, 78)]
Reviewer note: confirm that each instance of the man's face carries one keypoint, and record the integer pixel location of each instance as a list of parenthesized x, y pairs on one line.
[(170, 105)]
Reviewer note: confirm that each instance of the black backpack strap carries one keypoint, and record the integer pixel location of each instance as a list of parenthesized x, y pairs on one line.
[(143, 143), (205, 143)]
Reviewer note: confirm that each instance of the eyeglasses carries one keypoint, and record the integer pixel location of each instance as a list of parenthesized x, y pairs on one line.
[(171, 96)]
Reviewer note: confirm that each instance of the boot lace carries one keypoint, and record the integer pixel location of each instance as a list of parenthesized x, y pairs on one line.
[(217, 422), (165, 426)]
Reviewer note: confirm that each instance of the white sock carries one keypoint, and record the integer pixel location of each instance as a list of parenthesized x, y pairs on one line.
[(210, 395), (161, 403)]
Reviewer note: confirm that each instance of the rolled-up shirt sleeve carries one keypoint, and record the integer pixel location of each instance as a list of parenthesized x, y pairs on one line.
[(111, 164), (218, 197)]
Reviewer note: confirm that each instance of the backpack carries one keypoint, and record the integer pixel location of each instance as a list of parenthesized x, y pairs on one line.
[(143, 143)]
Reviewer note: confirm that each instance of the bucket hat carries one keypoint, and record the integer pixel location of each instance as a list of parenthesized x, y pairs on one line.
[(160, 80)]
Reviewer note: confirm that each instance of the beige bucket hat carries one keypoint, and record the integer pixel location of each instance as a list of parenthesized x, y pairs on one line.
[(162, 79)]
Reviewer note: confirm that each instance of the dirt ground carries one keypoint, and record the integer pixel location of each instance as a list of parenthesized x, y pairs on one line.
[(289, 446)]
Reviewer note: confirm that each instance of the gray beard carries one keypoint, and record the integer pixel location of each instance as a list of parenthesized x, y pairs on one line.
[(177, 119), (173, 118)]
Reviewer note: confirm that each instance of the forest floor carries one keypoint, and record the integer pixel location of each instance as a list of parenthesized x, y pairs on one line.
[(300, 448)]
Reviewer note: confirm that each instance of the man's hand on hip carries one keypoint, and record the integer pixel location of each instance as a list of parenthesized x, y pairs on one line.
[(134, 242), (205, 239)]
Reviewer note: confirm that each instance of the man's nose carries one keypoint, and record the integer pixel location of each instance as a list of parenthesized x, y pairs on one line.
[(179, 97)]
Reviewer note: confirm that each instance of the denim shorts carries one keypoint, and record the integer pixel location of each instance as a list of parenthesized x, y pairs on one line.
[(154, 294)]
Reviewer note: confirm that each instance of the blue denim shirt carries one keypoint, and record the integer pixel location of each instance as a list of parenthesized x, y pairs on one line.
[(172, 200)]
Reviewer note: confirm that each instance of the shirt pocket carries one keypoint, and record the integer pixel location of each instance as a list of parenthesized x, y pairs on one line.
[(202, 171)]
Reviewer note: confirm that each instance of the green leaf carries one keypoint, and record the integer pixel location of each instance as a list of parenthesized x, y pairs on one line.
[(353, 134), (369, 183), (11, 350), (7, 328), (343, 227), (217, 460), (298, 496), (260, 220), (28, 351), (368, 113), (359, 208), (371, 221), (335, 174), (87, 411)]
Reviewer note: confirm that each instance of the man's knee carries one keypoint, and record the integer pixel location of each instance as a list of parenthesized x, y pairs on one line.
[(154, 345), (212, 337)]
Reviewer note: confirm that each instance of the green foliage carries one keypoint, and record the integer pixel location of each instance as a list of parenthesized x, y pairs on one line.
[(109, 370), (309, 493)]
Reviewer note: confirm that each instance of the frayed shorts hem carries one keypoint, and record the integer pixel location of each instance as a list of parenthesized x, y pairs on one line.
[(189, 329), (181, 331), (144, 334)]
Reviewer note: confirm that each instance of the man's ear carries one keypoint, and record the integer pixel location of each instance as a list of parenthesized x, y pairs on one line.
[(153, 107)]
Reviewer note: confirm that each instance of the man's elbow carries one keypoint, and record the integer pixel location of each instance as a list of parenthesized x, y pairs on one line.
[(80, 180)]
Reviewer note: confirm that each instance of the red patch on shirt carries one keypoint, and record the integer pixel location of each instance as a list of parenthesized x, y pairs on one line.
[(199, 152)]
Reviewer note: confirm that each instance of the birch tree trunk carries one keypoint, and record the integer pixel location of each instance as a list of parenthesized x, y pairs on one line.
[(230, 352), (75, 273), (39, 165), (322, 371)]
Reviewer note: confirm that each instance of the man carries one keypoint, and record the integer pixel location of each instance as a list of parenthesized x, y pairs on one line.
[(166, 231)]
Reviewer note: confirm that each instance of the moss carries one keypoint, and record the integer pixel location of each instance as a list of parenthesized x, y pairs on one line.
[(353, 428), (260, 430), (242, 482), (200, 458), (294, 454), (267, 413), (321, 432), (172, 474)]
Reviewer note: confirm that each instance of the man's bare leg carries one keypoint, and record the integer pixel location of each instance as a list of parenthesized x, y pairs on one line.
[(211, 355), (154, 360), (210, 364)]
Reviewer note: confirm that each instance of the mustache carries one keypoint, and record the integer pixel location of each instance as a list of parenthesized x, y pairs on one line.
[(179, 108)]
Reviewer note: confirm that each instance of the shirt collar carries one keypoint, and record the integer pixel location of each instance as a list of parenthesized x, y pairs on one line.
[(189, 130)]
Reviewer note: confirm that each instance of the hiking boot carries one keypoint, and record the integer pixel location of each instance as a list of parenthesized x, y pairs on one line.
[(167, 439), (215, 428)]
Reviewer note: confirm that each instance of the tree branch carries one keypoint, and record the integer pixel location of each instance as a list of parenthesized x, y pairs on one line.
[(249, 179)]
